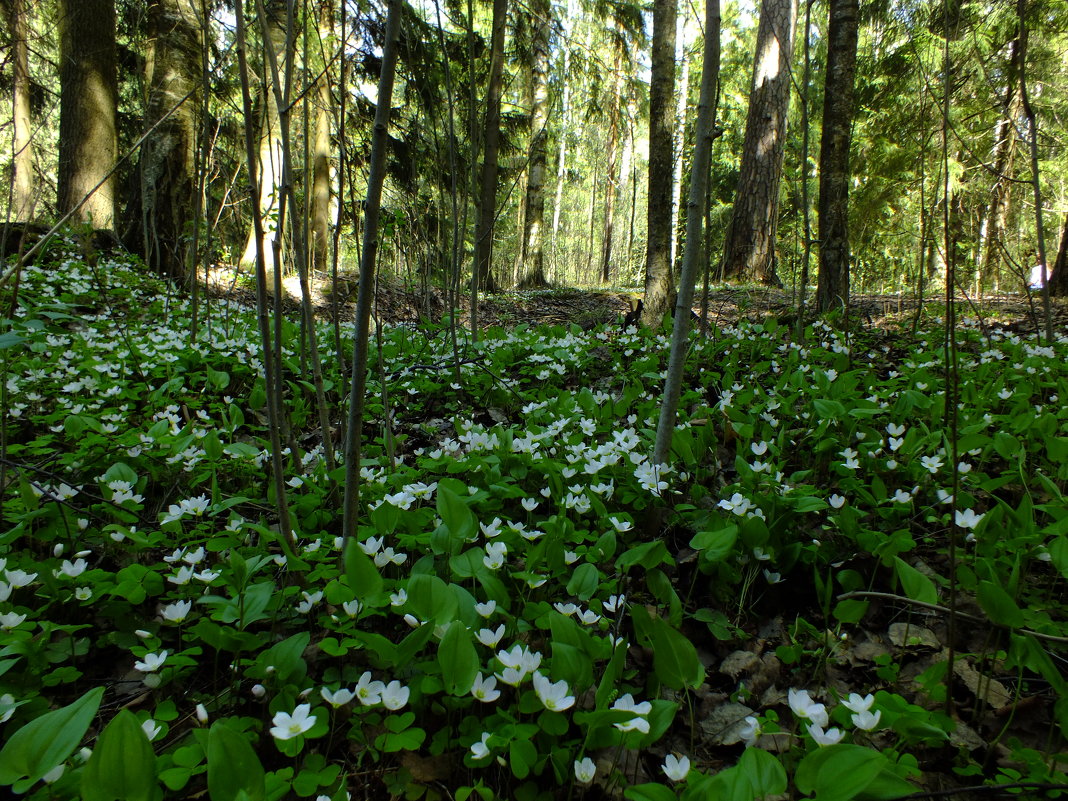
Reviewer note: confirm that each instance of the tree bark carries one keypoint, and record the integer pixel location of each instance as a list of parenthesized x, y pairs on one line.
[(659, 281), (88, 138), (487, 207), (1058, 279), (320, 189), (750, 244), (22, 197), (533, 265), (168, 157), (612, 179), (269, 149), (832, 290)]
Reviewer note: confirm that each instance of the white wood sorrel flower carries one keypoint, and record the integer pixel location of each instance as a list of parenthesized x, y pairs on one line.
[(287, 726), (553, 696)]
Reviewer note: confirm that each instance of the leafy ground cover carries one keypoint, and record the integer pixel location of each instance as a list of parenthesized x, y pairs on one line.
[(532, 610)]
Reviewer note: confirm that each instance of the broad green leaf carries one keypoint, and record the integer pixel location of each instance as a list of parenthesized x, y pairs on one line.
[(44, 743), (675, 660), (456, 514), (915, 584), (122, 766), (430, 599), (233, 767), (458, 659), (999, 605), (838, 772), (764, 772), (650, 791), (360, 570), (715, 546), (584, 581)]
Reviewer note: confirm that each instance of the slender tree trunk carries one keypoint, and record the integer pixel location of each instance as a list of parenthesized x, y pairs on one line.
[(806, 131), (665, 428), (168, 157), (487, 207), (612, 178), (269, 150), (321, 150), (22, 198), (88, 138), (750, 245), (533, 272), (679, 142), (659, 281), (833, 283), (375, 180), (565, 115)]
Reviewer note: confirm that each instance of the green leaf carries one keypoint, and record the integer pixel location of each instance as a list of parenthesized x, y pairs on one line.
[(456, 514), (764, 772), (123, 765), (675, 660), (44, 743), (458, 659), (584, 581), (999, 605), (650, 791), (838, 772), (850, 610), (360, 570), (915, 584), (828, 409), (431, 600), (715, 546), (233, 767)]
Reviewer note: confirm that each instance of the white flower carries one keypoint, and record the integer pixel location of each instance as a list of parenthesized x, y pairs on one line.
[(337, 698), (588, 617), (184, 574), (398, 598), (72, 569), (151, 662), (395, 695), (352, 608), (11, 620), (19, 578), (486, 609), (495, 553), (489, 637), (485, 689), (287, 726), (613, 603), (368, 691), (480, 749), (554, 697), (750, 731), (585, 770), (625, 703), (902, 497), (867, 720), (829, 737), (804, 707), (931, 463), (676, 768), (202, 713), (967, 518), (620, 525), (635, 724), (176, 612), (530, 504), (858, 703), (151, 729)]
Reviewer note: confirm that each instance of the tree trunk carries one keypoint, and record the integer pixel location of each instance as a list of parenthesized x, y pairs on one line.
[(832, 290), (612, 179), (22, 197), (88, 102), (678, 157), (1058, 279), (750, 245), (168, 156), (533, 271), (565, 116), (659, 282), (269, 151), (487, 206), (320, 190)]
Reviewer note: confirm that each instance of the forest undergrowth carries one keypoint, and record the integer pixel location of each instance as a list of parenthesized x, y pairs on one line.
[(532, 610)]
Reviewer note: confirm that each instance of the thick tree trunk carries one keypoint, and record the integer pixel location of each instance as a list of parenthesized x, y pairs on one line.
[(659, 281), (565, 116), (269, 151), (832, 290), (533, 267), (88, 141), (320, 190), (750, 245), (22, 196), (1058, 279), (487, 206), (168, 157)]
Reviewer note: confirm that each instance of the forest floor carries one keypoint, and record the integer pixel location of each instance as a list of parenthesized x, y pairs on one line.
[(397, 302)]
